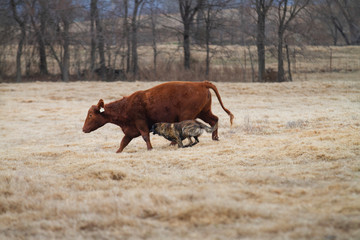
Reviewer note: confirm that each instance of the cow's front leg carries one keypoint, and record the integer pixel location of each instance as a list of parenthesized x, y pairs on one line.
[(124, 142)]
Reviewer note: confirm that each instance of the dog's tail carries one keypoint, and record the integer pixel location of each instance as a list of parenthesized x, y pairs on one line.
[(206, 128), (213, 87)]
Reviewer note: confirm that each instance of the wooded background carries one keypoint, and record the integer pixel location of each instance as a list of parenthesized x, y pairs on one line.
[(254, 40)]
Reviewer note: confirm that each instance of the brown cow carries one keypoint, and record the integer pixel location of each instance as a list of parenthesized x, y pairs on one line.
[(167, 102)]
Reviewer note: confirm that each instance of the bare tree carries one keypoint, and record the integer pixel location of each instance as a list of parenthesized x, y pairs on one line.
[(154, 15), (318, 20), (38, 11), (332, 13), (286, 12), (100, 43), (97, 40), (262, 7), (41, 41), (348, 10), (126, 35), (188, 9), (21, 19), (210, 14), (66, 44), (62, 15), (7, 32), (134, 28), (93, 13)]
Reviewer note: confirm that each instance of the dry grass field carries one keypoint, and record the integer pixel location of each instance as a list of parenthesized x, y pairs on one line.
[(288, 168)]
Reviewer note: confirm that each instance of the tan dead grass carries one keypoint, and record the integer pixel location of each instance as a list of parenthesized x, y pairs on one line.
[(287, 169)]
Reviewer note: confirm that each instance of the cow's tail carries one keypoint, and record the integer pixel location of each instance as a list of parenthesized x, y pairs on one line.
[(213, 87)]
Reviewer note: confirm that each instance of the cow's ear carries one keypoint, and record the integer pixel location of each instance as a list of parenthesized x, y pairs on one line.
[(101, 105)]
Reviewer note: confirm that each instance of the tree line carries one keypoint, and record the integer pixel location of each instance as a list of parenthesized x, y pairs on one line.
[(101, 28)]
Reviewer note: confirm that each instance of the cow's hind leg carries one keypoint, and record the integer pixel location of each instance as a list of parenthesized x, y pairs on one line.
[(211, 119), (144, 131), (146, 138)]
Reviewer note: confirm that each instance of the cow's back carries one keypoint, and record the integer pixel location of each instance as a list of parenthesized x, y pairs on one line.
[(175, 101)]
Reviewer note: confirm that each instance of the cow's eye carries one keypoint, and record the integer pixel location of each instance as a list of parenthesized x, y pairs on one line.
[(90, 116)]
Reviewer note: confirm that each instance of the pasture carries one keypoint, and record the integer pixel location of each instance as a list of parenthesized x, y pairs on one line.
[(288, 168)]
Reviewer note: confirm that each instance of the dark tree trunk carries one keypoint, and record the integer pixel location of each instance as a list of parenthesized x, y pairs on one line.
[(281, 73), (187, 12), (289, 62), (154, 40), (207, 70), (134, 59), (93, 10), (186, 46), (100, 43), (19, 53), (252, 65), (134, 26), (260, 39), (22, 26), (66, 56), (127, 35), (42, 48), (199, 33), (339, 27), (40, 33), (286, 13), (335, 36), (207, 38), (43, 60), (206, 22), (262, 7)]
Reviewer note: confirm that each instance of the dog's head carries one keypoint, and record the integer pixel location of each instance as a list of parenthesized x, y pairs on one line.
[(155, 128), (160, 128)]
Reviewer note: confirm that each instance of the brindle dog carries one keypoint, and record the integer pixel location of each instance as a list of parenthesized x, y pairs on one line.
[(176, 132)]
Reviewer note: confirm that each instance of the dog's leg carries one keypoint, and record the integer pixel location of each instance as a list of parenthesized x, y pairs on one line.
[(196, 141), (190, 142), (179, 142)]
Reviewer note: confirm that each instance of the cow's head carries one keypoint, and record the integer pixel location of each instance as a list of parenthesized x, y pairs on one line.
[(96, 117)]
